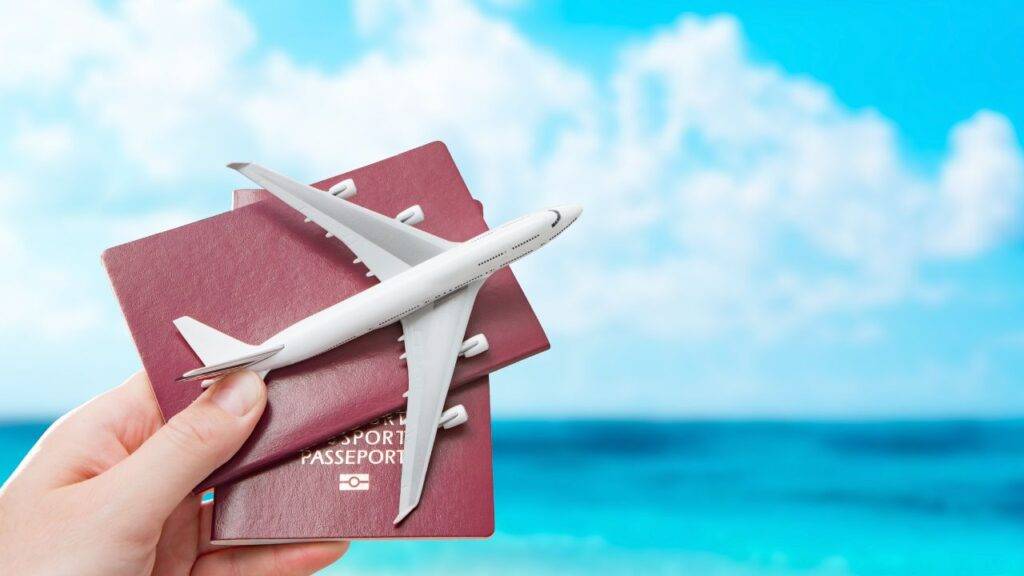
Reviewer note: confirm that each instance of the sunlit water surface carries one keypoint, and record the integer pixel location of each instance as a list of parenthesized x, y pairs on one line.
[(728, 498)]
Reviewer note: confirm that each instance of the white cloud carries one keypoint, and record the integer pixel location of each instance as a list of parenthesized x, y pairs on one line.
[(490, 103), (170, 86), (725, 198), (43, 42), (982, 187), (45, 143), (39, 298), (772, 204)]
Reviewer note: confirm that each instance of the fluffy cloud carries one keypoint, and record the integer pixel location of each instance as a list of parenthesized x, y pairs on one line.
[(39, 297), (169, 88), (43, 42), (490, 103), (724, 197), (768, 203), (43, 143), (981, 188), (738, 198)]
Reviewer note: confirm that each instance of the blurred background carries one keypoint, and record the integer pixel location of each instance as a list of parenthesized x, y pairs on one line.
[(787, 333)]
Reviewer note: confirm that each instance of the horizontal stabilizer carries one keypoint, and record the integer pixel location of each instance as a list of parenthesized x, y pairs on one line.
[(217, 370)]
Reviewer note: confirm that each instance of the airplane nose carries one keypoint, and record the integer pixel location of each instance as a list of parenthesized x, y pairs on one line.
[(569, 213)]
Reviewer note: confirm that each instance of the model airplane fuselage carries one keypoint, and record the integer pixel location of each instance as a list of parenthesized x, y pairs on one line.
[(421, 285), (427, 283)]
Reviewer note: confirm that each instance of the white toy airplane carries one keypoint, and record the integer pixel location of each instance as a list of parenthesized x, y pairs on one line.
[(426, 282)]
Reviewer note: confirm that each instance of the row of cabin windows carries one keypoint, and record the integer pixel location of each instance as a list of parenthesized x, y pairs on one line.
[(514, 259), (509, 263), (455, 289), (499, 255), (525, 242), (464, 284), (396, 316)]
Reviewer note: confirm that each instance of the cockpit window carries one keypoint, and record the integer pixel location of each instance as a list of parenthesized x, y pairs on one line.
[(558, 218)]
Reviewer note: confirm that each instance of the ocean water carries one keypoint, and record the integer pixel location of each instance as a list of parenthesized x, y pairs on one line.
[(728, 498)]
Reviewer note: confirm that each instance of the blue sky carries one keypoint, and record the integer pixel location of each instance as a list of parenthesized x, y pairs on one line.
[(926, 65), (810, 210)]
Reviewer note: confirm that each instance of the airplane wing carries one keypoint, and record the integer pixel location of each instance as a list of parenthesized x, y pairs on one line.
[(433, 339), (387, 246)]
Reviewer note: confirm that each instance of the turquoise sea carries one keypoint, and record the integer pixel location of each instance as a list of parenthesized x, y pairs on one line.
[(728, 498)]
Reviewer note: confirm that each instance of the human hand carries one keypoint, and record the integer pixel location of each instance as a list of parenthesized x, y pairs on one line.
[(107, 490)]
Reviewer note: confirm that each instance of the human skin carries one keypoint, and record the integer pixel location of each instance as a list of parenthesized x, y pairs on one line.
[(107, 490)]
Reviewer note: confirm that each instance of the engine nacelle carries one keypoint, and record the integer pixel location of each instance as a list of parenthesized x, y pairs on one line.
[(412, 215), (454, 416), (473, 346), (344, 189)]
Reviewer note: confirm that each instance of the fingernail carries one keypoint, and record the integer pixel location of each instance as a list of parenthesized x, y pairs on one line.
[(238, 393)]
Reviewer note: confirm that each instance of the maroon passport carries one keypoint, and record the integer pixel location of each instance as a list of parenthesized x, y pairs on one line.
[(348, 488), (254, 270)]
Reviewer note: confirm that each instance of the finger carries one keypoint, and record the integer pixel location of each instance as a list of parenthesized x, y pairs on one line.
[(276, 560), (116, 423), (176, 549), (192, 444), (130, 411)]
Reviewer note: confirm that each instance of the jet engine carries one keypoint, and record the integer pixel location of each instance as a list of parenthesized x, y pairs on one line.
[(344, 189), (473, 346), (454, 416), (412, 215)]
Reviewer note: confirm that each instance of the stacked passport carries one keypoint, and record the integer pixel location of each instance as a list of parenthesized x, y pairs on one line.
[(325, 460)]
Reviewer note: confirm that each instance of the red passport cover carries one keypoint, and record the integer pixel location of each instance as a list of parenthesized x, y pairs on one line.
[(349, 487), (253, 271)]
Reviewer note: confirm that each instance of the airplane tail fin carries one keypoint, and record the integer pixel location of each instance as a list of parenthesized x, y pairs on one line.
[(219, 352), (211, 345)]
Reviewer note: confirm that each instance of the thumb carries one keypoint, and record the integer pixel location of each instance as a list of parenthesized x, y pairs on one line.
[(191, 445)]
